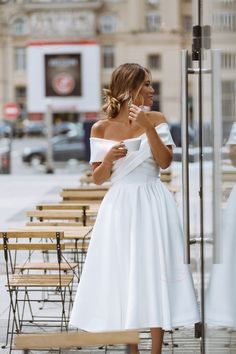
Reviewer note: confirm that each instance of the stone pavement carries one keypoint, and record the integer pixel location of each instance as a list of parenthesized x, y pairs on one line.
[(20, 193)]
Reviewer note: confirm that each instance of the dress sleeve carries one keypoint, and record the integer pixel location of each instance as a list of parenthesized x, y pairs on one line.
[(164, 133), (99, 148)]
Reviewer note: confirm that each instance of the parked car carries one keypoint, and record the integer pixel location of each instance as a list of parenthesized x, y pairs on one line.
[(65, 147), (5, 130), (64, 127), (175, 129), (5, 156), (34, 128)]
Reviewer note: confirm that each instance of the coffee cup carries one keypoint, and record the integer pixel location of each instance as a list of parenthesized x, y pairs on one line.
[(132, 144)]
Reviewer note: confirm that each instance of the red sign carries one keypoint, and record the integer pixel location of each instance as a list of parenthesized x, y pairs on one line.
[(63, 83), (11, 110)]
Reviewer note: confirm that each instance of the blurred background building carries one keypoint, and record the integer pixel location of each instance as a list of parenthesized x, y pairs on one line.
[(147, 31), (150, 32)]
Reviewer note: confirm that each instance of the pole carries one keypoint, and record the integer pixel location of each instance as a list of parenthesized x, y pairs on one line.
[(49, 153)]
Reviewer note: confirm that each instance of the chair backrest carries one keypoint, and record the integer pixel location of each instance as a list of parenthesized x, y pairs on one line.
[(31, 240), (14, 242)]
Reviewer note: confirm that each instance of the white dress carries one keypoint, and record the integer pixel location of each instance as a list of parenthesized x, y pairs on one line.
[(134, 276), (221, 293)]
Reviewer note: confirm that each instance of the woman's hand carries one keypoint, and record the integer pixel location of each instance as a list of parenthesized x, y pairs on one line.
[(115, 153), (136, 114)]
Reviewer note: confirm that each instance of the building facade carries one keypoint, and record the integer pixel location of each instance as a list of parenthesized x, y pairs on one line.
[(150, 32)]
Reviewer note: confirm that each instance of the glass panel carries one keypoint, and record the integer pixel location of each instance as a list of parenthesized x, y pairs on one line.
[(219, 174)]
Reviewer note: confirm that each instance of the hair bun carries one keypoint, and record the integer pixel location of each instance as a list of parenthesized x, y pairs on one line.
[(112, 105)]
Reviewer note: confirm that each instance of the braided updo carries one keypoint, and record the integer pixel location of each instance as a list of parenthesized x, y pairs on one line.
[(126, 78)]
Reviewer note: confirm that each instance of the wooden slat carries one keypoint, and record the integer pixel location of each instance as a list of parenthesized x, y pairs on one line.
[(79, 230), (85, 195), (81, 200), (73, 235), (32, 246), (76, 246), (53, 223), (31, 233), (229, 175), (103, 188), (80, 233), (55, 214), (39, 280), (46, 266), (74, 339), (77, 206), (90, 208)]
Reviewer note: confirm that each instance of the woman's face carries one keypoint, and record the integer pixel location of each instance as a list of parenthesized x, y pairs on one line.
[(145, 96)]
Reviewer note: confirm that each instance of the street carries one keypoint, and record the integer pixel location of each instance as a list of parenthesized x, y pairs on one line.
[(20, 168)]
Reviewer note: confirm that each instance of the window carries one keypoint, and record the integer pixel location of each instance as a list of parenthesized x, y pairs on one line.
[(228, 99), (20, 94), (224, 21), (19, 27), (153, 21), (108, 24), (228, 61), (20, 59), (108, 57), (154, 61), (157, 96)]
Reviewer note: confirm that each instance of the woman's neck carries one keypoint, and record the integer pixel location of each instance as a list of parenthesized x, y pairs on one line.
[(123, 116)]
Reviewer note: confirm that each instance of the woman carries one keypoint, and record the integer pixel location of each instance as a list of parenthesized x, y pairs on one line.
[(134, 276)]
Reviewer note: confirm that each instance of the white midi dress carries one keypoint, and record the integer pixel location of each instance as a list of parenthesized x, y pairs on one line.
[(134, 276), (221, 292)]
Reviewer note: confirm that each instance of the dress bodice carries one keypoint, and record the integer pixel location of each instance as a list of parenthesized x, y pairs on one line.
[(136, 165)]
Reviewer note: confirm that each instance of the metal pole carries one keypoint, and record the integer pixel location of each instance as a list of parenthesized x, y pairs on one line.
[(49, 154), (185, 157)]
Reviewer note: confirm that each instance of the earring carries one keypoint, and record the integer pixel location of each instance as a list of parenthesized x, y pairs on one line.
[(130, 102)]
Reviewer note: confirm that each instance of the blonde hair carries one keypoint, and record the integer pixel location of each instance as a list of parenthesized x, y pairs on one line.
[(125, 79)]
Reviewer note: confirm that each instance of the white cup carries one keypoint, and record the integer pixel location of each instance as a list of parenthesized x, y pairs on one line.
[(132, 144)]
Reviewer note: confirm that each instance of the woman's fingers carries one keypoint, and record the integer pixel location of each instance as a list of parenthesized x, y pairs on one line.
[(119, 150)]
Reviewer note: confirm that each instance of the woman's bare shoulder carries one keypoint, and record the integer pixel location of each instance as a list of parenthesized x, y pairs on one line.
[(156, 118), (99, 128)]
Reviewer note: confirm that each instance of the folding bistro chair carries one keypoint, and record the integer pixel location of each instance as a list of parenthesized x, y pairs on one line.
[(21, 285)]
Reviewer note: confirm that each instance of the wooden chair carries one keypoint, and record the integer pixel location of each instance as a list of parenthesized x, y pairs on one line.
[(22, 285), (72, 340), (76, 241)]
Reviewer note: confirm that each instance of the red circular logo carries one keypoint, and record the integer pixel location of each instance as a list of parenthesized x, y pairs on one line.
[(11, 110), (63, 84)]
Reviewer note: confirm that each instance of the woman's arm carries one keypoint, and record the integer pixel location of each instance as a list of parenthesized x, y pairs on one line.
[(102, 170), (162, 153)]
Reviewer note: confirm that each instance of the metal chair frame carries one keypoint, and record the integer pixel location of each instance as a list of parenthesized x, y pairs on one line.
[(18, 282)]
